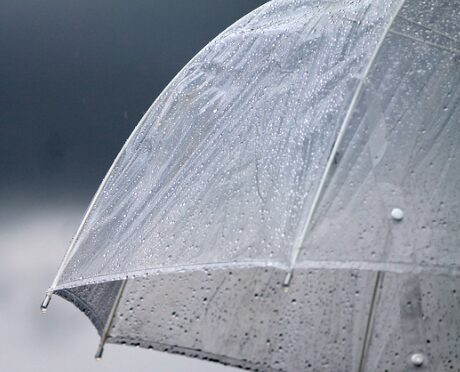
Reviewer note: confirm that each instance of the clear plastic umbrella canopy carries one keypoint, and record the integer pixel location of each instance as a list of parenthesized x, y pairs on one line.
[(291, 201)]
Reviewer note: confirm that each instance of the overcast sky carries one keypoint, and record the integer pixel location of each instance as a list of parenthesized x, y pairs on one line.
[(75, 78)]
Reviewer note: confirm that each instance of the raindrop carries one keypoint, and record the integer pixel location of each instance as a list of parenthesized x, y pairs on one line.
[(397, 214), (417, 359)]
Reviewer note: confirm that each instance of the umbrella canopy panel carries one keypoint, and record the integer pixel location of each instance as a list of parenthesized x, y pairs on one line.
[(96, 300), (243, 317), (399, 151)]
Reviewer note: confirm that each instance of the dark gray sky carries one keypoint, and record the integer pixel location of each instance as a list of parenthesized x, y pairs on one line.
[(76, 77)]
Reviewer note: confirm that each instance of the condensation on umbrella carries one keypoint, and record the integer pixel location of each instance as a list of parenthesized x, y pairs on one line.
[(313, 144)]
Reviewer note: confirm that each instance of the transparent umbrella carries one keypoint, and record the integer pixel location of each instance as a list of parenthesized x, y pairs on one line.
[(291, 201)]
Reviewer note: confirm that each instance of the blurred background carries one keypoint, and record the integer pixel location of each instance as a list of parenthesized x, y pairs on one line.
[(75, 78)]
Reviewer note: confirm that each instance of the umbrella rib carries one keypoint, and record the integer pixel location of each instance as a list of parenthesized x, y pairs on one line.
[(298, 243), (108, 324), (370, 319), (452, 50), (447, 36)]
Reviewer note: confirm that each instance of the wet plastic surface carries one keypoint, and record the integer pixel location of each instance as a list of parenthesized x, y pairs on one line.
[(225, 165), (316, 135)]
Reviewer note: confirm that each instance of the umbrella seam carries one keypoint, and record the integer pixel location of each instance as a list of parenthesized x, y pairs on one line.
[(396, 267)]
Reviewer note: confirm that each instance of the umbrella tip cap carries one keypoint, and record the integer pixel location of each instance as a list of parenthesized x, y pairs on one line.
[(99, 352), (287, 281), (45, 303)]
